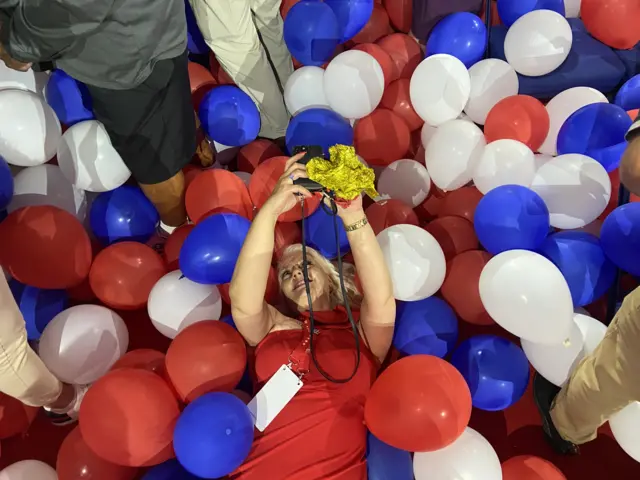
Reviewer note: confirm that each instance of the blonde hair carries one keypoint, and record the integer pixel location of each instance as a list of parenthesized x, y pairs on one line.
[(331, 270)]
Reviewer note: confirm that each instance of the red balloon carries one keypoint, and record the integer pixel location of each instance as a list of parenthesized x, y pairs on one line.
[(124, 273), (382, 137), (45, 247), (397, 99), (190, 172), (286, 234), (383, 58), (264, 180), (614, 22), (201, 81), (387, 213), (215, 189), (15, 416), (454, 234), (461, 286), (219, 73), (173, 245), (376, 28), (519, 117), (400, 13), (127, 417), (404, 51), (421, 403), (77, 461), (256, 152), (528, 467), (285, 6), (144, 358), (205, 357), (460, 203), (430, 208), (633, 114)]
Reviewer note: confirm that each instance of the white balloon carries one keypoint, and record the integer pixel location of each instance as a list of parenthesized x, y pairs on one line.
[(353, 84), (540, 159), (28, 470), (440, 88), (556, 362), (572, 8), (47, 185), (305, 89), (29, 128), (83, 342), (527, 295), (575, 188), (415, 261), (453, 154), (504, 162), (88, 159), (625, 426), (538, 43), (427, 133), (561, 107), (406, 180), (492, 80), (593, 228), (35, 82), (592, 329), (470, 457), (175, 302)]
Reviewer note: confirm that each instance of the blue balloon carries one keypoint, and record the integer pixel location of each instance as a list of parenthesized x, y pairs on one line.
[(210, 251), (318, 126), (585, 267), (123, 214), (511, 10), (320, 233), (195, 40), (620, 237), (594, 130), (170, 470), (462, 35), (38, 306), (6, 184), (385, 462), (496, 370), (213, 436), (352, 16), (511, 217), (311, 32), (628, 97), (229, 116), (69, 98), (427, 326)]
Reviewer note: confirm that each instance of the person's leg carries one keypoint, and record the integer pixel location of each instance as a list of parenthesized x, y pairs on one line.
[(604, 383), (23, 376), (271, 27), (227, 27), (152, 127)]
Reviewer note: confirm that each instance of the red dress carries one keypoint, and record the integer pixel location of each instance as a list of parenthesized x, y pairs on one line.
[(321, 433)]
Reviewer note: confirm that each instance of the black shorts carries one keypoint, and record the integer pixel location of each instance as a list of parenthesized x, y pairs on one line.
[(152, 126)]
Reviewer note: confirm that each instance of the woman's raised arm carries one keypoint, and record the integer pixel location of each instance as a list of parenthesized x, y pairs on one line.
[(378, 311), (251, 314)]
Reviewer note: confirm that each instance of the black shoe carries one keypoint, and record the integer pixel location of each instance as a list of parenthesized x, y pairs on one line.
[(544, 392)]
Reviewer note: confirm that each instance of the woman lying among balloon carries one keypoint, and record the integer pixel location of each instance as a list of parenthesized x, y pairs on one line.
[(320, 432), (23, 375)]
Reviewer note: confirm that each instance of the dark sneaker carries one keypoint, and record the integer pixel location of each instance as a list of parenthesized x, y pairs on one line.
[(66, 416), (544, 393)]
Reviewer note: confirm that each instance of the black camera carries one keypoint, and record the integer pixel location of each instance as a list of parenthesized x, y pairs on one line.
[(311, 151)]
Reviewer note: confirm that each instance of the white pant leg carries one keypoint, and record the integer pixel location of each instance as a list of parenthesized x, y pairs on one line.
[(228, 28)]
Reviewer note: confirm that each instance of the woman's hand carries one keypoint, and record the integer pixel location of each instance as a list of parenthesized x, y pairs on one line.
[(286, 195), (353, 212)]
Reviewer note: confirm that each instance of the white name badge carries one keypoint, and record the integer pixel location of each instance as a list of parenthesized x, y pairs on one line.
[(274, 396)]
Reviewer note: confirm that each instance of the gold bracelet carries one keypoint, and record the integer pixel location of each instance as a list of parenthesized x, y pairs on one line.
[(355, 226)]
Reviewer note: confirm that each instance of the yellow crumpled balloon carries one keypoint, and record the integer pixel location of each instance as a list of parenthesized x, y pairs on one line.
[(343, 173)]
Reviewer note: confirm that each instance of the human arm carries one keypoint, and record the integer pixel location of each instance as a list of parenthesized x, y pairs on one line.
[(630, 163), (251, 314), (42, 30), (378, 310)]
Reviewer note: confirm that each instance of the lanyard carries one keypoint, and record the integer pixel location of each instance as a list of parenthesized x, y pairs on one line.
[(299, 359)]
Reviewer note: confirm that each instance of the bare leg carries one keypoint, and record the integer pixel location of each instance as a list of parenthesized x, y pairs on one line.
[(168, 198)]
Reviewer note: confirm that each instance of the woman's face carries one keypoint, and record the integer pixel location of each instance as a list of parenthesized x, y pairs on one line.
[(291, 278)]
